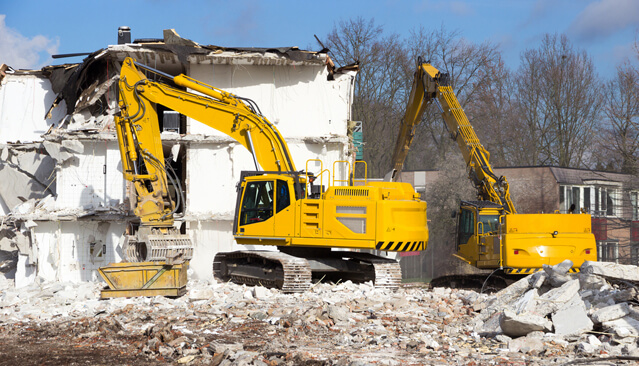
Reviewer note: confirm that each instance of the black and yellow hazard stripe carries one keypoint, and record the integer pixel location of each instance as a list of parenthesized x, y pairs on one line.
[(400, 246), (521, 270), (531, 270)]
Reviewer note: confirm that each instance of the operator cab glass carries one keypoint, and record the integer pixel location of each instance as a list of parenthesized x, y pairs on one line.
[(466, 226), (489, 224), (283, 199), (257, 203)]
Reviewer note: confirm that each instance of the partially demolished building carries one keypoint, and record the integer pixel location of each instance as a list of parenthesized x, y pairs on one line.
[(63, 201)]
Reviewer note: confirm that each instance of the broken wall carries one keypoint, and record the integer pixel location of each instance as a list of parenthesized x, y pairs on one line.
[(24, 101), (25, 168), (91, 177)]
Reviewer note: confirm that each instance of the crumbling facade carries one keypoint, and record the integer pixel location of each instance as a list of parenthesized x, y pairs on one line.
[(69, 202)]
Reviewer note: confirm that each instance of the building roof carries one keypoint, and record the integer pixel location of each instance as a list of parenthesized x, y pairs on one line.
[(584, 176)]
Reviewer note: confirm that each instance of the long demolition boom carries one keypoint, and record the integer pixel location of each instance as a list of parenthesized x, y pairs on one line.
[(429, 85)]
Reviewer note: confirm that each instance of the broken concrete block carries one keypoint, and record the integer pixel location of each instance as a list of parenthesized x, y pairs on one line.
[(74, 146), (558, 274), (260, 292), (556, 298), (585, 347), (16, 184), (201, 293), (610, 313), (628, 294), (506, 296), (526, 303), (538, 279), (37, 165), (526, 345), (611, 270), (590, 281), (56, 151), (623, 327), (517, 325), (572, 321)]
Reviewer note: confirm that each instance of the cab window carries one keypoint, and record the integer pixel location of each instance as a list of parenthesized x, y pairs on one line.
[(466, 226), (257, 203), (490, 223), (283, 199)]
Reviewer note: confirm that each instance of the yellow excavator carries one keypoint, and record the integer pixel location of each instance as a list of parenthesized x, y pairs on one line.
[(305, 215), (490, 232)]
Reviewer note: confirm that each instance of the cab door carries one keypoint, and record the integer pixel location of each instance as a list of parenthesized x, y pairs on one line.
[(284, 208), (257, 209), (466, 235)]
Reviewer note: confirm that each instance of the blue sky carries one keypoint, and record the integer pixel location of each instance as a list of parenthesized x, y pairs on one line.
[(30, 31)]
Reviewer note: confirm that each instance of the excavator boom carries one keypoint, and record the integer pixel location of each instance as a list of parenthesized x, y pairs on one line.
[(490, 233)]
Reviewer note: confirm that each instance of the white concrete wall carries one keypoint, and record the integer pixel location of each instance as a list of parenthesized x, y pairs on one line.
[(300, 101), (213, 171), (62, 250), (92, 179), (24, 100)]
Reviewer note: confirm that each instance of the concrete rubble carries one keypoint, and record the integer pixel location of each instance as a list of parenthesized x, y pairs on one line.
[(592, 312), (332, 324)]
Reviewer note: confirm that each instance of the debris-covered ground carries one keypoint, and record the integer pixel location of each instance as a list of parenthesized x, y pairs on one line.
[(332, 324)]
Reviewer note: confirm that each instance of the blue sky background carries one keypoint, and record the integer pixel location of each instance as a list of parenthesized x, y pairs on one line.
[(30, 31)]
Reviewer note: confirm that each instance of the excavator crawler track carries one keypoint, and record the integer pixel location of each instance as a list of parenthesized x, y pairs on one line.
[(269, 269), (292, 273), (387, 272)]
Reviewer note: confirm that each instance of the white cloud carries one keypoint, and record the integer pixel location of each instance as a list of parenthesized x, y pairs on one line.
[(21, 52), (460, 8), (604, 18)]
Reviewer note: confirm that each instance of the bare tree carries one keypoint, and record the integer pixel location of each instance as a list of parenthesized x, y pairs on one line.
[(619, 149), (465, 62), (495, 115), (387, 64), (559, 97), (377, 87)]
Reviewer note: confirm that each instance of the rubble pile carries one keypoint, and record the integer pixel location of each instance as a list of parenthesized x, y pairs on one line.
[(547, 318), (593, 312)]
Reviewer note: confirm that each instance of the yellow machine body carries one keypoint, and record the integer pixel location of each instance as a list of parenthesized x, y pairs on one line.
[(144, 279), (378, 216), (523, 243), (276, 204)]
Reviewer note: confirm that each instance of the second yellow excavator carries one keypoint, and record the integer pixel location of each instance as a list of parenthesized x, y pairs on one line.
[(490, 232), (305, 215)]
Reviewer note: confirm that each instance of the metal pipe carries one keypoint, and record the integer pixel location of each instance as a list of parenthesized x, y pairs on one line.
[(250, 141)]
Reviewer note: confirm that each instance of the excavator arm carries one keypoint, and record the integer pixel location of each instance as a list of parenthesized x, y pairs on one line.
[(429, 85)]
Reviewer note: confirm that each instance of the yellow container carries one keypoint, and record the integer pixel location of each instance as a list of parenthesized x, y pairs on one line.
[(144, 279)]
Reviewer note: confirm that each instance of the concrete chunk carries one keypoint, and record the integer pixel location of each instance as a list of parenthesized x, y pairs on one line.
[(514, 325), (611, 313), (572, 321), (556, 298), (623, 327), (558, 274), (611, 270)]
